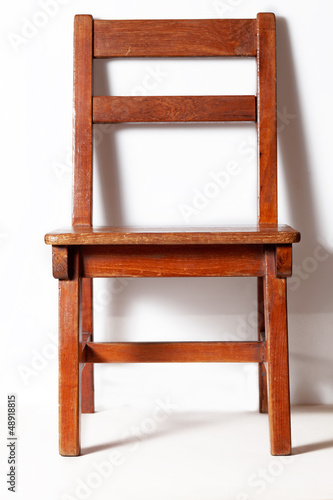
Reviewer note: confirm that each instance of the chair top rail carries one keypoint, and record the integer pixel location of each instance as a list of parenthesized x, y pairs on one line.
[(175, 38)]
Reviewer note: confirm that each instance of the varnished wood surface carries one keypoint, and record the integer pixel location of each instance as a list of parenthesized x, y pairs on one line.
[(283, 261), (108, 261), (60, 262), (82, 120), (87, 382), (174, 109), (69, 363), (174, 352), (206, 235), (87, 306), (262, 374), (174, 38), (266, 120), (262, 250), (275, 295)]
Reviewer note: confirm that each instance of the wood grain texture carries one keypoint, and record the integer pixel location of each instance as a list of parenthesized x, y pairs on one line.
[(174, 352), (87, 382), (69, 363), (125, 235), (174, 109), (171, 261), (266, 120), (175, 38), (60, 262), (275, 294), (263, 250), (262, 374), (87, 306), (284, 261), (82, 120)]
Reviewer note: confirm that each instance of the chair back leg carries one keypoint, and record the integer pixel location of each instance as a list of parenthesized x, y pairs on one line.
[(87, 383), (262, 374)]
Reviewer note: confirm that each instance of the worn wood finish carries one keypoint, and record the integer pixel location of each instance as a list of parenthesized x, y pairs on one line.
[(87, 386), (174, 109), (173, 235), (275, 295), (283, 261), (266, 120), (87, 306), (60, 262), (171, 260), (174, 352), (262, 374), (69, 363), (263, 250), (82, 163), (267, 158), (82, 120), (175, 38)]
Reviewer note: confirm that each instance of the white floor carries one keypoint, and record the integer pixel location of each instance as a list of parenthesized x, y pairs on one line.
[(161, 453)]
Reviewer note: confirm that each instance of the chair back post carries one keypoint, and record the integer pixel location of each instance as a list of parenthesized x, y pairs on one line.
[(82, 176), (266, 119), (82, 120)]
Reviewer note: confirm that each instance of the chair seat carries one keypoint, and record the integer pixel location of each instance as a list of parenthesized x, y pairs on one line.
[(126, 235)]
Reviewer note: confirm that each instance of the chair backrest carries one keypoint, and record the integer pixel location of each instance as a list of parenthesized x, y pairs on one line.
[(174, 38)]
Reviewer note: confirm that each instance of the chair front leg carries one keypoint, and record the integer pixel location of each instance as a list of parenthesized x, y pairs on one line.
[(69, 362), (275, 298)]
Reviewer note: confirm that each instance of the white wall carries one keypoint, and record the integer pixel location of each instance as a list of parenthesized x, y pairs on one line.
[(146, 175)]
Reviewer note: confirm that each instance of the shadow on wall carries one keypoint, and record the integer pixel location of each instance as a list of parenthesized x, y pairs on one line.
[(309, 288), (313, 265)]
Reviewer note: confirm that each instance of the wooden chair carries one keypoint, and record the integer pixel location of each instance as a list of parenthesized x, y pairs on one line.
[(83, 252)]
